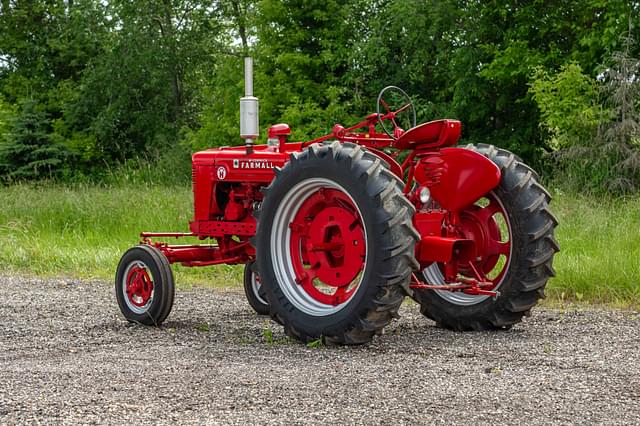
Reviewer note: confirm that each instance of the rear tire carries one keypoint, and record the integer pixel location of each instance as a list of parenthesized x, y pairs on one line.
[(529, 266), (335, 244), (144, 285)]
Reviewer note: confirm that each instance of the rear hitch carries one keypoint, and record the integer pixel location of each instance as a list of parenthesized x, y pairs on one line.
[(465, 285)]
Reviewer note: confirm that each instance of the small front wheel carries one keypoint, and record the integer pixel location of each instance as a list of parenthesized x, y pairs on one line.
[(144, 285), (254, 291)]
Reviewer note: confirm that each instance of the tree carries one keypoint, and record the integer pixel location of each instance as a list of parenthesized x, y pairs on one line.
[(30, 151), (621, 135), (302, 63), (136, 97), (474, 60), (594, 124), (138, 78)]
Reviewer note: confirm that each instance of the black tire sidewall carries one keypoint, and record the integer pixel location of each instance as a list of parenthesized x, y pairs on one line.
[(162, 301)]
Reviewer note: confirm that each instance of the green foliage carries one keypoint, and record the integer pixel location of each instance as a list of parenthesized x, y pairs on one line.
[(269, 339), (117, 80), (302, 68), (30, 151), (135, 97), (267, 334), (219, 120), (568, 104), (7, 117), (316, 344), (127, 80), (620, 137), (594, 124), (506, 43), (203, 327)]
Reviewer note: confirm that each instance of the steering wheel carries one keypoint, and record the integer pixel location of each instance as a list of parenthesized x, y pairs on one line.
[(396, 94)]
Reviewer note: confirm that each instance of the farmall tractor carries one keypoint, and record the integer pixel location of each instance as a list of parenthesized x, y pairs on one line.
[(335, 232)]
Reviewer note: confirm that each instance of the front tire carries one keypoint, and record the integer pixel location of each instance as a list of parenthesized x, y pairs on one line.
[(254, 291), (334, 244), (524, 240), (144, 285)]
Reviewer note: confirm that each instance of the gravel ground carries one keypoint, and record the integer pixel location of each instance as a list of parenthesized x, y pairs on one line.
[(67, 356)]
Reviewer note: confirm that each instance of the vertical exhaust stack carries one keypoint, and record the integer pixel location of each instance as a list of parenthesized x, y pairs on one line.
[(249, 108)]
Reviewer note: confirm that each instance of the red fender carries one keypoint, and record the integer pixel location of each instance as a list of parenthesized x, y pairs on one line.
[(457, 177)]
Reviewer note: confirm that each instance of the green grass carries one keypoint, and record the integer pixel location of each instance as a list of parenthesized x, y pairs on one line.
[(82, 231), (599, 259)]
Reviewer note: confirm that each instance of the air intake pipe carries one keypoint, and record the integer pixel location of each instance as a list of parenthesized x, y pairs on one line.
[(249, 121)]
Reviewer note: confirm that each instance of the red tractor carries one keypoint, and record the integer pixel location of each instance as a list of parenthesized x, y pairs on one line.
[(336, 231)]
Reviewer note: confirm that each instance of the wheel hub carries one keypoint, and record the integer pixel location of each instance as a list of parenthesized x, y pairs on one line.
[(139, 286), (487, 224), (335, 245), (479, 223)]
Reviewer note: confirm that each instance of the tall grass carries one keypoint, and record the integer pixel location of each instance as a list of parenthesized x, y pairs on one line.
[(82, 231), (599, 259)]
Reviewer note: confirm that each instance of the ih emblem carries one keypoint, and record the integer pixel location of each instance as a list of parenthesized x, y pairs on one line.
[(221, 173)]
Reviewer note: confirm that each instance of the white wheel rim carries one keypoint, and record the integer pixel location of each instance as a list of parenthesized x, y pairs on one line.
[(281, 242), (255, 287)]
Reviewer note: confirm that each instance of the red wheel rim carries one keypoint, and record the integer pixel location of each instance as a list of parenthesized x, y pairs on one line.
[(487, 224), (328, 246), (138, 286)]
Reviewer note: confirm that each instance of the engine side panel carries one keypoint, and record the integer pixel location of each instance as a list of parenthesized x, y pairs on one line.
[(226, 183)]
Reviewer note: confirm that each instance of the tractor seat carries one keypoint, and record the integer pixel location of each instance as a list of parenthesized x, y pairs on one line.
[(434, 134)]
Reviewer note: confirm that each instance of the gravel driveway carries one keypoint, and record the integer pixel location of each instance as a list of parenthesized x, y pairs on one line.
[(67, 356)]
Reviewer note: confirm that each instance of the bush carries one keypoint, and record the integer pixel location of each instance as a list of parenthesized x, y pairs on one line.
[(568, 103)]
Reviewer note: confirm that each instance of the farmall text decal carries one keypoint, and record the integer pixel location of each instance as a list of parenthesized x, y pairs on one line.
[(252, 164)]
